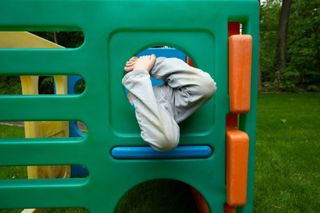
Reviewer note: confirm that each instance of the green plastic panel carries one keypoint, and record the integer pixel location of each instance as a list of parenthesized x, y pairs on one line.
[(114, 31)]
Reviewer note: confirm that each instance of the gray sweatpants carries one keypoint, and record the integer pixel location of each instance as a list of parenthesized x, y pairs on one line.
[(159, 109)]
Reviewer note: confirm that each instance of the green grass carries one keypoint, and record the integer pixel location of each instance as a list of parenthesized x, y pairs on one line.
[(17, 171), (287, 174), (11, 131)]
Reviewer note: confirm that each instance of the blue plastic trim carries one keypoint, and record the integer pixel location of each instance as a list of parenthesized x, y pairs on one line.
[(79, 171), (74, 131), (164, 52), (72, 81), (146, 152)]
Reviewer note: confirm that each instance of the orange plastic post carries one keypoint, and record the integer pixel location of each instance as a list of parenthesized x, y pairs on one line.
[(240, 57), (237, 167)]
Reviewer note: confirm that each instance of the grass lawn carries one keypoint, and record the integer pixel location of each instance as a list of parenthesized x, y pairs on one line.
[(287, 175)]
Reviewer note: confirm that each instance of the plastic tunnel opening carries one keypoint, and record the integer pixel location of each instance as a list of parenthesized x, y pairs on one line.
[(164, 195)]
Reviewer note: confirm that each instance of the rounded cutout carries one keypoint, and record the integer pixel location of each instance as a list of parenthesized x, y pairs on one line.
[(67, 39), (163, 195), (162, 51), (76, 84), (78, 129), (80, 86)]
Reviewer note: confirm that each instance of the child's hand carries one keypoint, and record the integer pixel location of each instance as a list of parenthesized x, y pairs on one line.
[(145, 63), (142, 63)]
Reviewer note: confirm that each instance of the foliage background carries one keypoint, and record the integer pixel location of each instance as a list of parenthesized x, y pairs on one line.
[(303, 47)]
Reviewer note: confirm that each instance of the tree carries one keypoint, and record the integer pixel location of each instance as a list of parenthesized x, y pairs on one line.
[(280, 62), (303, 70), (269, 20)]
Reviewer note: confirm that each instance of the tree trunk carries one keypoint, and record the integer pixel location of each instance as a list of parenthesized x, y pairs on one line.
[(280, 62)]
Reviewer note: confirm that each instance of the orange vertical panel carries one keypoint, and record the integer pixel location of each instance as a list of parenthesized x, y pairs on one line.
[(237, 167), (240, 57)]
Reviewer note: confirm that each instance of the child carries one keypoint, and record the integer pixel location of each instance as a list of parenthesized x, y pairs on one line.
[(159, 109)]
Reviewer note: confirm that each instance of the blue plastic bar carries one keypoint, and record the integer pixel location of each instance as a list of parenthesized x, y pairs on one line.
[(164, 52), (146, 152)]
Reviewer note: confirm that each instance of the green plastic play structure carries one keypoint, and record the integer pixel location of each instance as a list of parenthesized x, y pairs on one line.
[(114, 31)]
